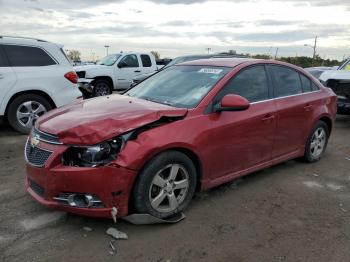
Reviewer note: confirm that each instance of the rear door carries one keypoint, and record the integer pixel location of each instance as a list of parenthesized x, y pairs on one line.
[(7, 79), (146, 64), (294, 110), (130, 68), (243, 139)]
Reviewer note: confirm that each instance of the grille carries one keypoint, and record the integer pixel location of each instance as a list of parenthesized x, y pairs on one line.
[(39, 190), (35, 155)]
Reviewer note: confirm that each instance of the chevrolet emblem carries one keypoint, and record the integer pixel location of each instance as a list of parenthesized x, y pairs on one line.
[(34, 141)]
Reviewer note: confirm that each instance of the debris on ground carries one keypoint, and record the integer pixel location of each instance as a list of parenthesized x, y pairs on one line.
[(114, 213), (342, 209), (147, 219), (316, 175), (116, 233), (111, 244), (88, 229), (347, 158)]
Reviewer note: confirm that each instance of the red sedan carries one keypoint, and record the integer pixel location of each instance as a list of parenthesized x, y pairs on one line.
[(190, 127)]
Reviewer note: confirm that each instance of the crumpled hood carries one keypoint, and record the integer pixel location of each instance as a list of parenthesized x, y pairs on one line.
[(92, 121)]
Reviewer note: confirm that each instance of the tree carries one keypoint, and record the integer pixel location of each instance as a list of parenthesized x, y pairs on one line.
[(156, 54), (74, 55)]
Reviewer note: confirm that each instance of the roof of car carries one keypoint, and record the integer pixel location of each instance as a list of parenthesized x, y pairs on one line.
[(226, 62)]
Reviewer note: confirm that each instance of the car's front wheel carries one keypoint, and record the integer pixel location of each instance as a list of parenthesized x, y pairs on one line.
[(317, 142), (24, 110), (102, 88), (166, 185)]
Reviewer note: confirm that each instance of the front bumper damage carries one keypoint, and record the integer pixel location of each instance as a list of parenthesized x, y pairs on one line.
[(89, 191), (86, 87)]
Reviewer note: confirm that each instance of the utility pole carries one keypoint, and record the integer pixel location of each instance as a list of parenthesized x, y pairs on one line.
[(315, 45), (276, 52), (107, 46)]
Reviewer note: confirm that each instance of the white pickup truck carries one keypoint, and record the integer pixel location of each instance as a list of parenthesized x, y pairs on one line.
[(114, 72), (339, 81)]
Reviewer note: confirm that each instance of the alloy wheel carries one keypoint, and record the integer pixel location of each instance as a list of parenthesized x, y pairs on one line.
[(28, 112), (318, 142), (102, 89), (169, 188)]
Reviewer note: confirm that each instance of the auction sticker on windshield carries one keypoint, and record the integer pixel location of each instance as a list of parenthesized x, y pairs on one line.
[(210, 71)]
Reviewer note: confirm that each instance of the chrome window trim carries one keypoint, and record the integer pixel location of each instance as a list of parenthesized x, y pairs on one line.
[(276, 98)]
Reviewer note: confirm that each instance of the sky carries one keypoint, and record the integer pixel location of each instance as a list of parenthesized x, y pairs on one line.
[(182, 27)]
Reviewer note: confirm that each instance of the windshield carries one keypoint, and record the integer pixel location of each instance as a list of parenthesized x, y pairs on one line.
[(179, 86), (108, 60)]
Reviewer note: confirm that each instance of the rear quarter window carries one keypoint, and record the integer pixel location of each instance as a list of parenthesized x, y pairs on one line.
[(27, 56), (146, 61)]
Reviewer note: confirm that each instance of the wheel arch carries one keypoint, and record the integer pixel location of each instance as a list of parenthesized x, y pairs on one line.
[(29, 92), (106, 78), (186, 151), (328, 121)]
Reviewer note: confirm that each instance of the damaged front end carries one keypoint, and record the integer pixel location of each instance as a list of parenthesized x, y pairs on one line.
[(106, 152), (342, 89)]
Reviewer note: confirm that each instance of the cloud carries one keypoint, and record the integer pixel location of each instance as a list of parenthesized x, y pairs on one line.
[(271, 22), (177, 23)]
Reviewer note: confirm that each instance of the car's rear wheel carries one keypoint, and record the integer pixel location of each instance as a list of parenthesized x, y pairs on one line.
[(317, 142), (166, 185), (24, 110), (102, 88)]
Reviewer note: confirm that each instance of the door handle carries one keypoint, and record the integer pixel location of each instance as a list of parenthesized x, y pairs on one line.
[(268, 117), (137, 71), (308, 107), (1, 76)]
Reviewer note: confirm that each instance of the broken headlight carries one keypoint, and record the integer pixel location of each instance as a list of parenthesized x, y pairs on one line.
[(96, 155)]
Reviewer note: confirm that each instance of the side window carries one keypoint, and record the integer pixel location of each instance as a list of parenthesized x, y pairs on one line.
[(287, 81), (146, 61), (250, 83), (27, 56), (3, 60), (306, 83), (130, 61)]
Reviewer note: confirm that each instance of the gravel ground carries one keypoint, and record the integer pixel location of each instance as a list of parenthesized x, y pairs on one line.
[(290, 212)]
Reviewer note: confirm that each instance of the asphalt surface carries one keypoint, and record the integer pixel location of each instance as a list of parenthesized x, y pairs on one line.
[(290, 212)]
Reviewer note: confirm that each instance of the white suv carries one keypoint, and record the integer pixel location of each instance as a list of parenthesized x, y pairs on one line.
[(35, 76)]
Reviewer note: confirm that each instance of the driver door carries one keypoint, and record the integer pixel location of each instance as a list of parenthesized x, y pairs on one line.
[(128, 68)]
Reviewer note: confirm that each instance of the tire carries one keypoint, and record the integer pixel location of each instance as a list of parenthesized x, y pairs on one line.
[(24, 111), (102, 88), (155, 183), (316, 145)]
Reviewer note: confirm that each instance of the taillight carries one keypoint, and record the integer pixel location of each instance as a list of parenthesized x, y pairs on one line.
[(72, 76)]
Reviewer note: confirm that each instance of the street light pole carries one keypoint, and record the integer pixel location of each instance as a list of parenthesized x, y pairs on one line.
[(315, 44), (314, 49), (107, 46), (276, 53)]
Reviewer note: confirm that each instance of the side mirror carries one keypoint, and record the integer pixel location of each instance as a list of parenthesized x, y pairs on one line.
[(232, 102), (122, 64)]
